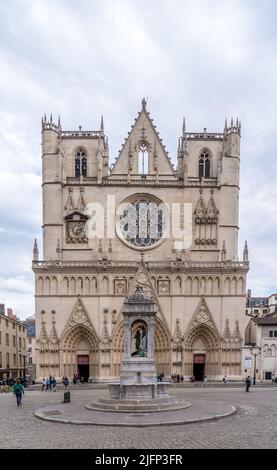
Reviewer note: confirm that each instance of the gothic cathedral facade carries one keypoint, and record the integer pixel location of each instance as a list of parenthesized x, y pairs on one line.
[(140, 222)]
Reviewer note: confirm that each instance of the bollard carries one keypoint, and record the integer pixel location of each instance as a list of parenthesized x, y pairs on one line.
[(66, 398)]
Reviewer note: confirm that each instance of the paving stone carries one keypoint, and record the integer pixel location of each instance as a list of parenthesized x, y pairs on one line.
[(253, 426)]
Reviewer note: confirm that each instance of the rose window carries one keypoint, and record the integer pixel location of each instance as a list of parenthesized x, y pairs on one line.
[(142, 222)]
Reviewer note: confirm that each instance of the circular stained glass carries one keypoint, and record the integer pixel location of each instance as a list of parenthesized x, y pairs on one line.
[(142, 222)]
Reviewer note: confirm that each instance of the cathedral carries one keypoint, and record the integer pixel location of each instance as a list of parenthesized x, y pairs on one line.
[(140, 222)]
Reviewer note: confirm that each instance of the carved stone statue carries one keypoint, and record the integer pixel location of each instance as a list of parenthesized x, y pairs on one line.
[(143, 342)]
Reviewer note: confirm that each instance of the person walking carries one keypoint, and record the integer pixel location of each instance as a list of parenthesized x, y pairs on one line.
[(18, 390), (205, 381), (43, 384), (47, 383), (225, 380), (50, 382), (248, 383), (54, 383), (65, 382)]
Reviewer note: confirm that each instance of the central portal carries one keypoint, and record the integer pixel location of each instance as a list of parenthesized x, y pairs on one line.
[(83, 367), (199, 367)]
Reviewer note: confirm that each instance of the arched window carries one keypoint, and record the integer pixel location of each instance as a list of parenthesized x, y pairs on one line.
[(80, 164), (204, 165), (143, 160)]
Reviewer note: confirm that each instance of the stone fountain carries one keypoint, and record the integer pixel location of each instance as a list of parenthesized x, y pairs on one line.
[(138, 388)]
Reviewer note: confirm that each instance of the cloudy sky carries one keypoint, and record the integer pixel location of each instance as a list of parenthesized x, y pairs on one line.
[(205, 59)]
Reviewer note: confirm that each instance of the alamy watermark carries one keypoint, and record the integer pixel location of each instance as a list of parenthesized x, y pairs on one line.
[(140, 221)]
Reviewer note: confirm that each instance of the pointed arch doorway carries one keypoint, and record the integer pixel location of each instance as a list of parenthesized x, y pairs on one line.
[(80, 353), (202, 353)]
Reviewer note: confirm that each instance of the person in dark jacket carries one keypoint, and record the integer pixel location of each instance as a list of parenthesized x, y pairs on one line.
[(248, 383), (18, 390)]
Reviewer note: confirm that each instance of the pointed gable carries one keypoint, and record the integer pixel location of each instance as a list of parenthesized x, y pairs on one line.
[(212, 211), (200, 211), (177, 335), (202, 316), (143, 134), (79, 317), (54, 339), (43, 338)]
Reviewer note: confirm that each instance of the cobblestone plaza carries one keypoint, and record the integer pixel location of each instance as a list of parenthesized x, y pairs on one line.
[(253, 426)]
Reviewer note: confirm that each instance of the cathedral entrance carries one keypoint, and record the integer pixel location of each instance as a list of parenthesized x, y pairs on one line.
[(199, 366), (83, 367)]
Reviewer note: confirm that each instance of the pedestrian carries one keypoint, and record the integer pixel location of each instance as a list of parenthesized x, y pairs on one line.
[(65, 381), (178, 378), (54, 383), (43, 384), (205, 381), (18, 390), (248, 383), (273, 378), (50, 382), (47, 383), (225, 380)]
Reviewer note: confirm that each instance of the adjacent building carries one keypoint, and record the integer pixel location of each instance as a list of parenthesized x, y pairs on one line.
[(260, 306), (140, 222), (262, 332), (13, 345)]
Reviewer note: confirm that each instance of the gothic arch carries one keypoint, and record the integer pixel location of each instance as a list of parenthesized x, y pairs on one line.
[(47, 286), (227, 285), (195, 286), (234, 286), (205, 337), (72, 286), (86, 290), (189, 285), (241, 286), (216, 289), (178, 284), (69, 346), (206, 334), (105, 285), (40, 287), (65, 286), (94, 285), (203, 286), (75, 335), (54, 286), (209, 290), (205, 154), (80, 285)]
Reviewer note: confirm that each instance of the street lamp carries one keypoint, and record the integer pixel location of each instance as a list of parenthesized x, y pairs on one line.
[(255, 351)]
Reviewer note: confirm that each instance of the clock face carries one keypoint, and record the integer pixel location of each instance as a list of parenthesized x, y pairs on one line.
[(142, 222)]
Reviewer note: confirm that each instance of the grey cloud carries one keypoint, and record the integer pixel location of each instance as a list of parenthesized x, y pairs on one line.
[(83, 59)]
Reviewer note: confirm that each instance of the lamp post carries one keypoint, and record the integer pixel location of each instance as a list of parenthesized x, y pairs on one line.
[(255, 351)]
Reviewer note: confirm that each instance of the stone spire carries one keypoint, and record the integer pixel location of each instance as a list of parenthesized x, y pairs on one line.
[(110, 249), (58, 249), (184, 127), (100, 251), (245, 253), (223, 252), (35, 251), (102, 125)]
